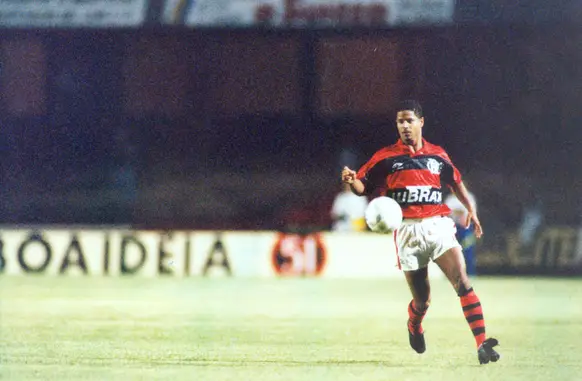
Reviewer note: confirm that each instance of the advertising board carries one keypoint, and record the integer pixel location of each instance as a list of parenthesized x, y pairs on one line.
[(308, 13), (72, 13)]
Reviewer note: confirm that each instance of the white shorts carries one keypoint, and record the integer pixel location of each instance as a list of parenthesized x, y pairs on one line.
[(420, 240)]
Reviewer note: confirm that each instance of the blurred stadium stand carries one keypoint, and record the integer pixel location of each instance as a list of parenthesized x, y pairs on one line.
[(218, 128)]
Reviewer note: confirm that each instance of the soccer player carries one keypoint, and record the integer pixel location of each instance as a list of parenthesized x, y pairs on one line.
[(413, 171)]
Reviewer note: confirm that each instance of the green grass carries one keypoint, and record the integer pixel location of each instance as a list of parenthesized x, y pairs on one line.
[(280, 329)]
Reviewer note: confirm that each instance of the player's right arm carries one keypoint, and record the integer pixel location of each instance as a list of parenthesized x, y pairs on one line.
[(356, 185), (369, 177)]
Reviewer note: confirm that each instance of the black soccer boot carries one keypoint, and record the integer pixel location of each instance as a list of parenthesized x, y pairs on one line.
[(416, 337), (486, 353)]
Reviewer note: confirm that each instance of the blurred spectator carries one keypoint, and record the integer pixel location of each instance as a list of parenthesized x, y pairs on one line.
[(348, 210), (465, 236), (533, 218)]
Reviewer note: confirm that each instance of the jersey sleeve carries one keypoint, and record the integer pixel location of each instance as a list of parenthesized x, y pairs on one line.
[(450, 174), (372, 174)]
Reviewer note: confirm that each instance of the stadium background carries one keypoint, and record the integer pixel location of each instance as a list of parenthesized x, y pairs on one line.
[(168, 168), (162, 125)]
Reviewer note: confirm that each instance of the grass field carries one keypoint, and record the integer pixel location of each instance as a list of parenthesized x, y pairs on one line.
[(280, 329)]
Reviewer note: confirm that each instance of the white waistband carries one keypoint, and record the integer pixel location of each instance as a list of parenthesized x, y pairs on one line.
[(409, 221)]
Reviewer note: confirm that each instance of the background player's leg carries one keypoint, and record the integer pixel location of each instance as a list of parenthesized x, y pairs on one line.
[(466, 237), (452, 263), (470, 260), (420, 288)]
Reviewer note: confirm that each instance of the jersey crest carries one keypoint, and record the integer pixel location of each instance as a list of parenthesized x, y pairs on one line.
[(434, 166)]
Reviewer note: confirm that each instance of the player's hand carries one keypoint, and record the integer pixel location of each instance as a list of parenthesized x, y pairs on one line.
[(348, 175), (472, 217)]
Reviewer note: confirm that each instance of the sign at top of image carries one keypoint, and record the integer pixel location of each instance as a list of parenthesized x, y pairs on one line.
[(72, 13), (308, 13)]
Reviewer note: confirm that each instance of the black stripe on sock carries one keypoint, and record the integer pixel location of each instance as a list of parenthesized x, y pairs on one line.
[(474, 318), (463, 291), (471, 306), (478, 331)]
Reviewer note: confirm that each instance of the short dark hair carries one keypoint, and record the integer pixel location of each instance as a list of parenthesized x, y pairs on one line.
[(411, 105)]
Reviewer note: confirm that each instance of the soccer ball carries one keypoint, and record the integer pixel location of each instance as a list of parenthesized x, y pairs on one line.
[(383, 215)]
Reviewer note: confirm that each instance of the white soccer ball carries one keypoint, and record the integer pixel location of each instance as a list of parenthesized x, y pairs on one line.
[(383, 215)]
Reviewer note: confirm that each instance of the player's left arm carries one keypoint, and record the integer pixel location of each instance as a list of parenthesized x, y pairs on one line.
[(452, 177), (463, 196)]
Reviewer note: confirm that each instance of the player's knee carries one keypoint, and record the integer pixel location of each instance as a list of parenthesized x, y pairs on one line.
[(422, 304)]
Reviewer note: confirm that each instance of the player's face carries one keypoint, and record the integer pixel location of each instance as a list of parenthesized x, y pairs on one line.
[(409, 127)]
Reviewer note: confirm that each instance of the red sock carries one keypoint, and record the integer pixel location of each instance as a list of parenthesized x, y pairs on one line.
[(415, 318), (474, 315)]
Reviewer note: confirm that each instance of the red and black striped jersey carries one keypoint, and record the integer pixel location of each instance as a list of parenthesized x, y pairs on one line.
[(414, 179)]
